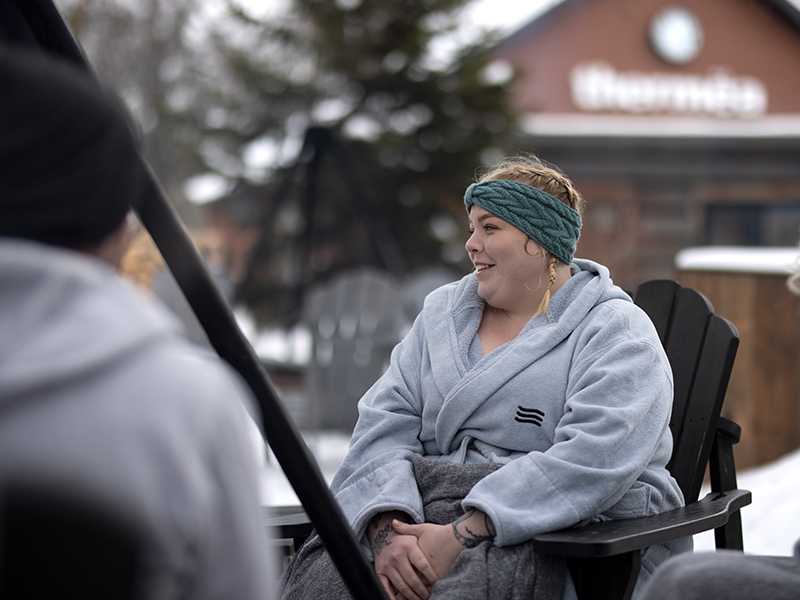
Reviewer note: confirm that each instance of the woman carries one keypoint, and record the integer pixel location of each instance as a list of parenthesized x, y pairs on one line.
[(529, 396)]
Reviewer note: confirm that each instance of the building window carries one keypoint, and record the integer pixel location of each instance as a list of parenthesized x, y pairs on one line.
[(752, 225)]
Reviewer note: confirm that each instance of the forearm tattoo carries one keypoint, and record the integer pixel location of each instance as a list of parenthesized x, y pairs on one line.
[(470, 539), (381, 540)]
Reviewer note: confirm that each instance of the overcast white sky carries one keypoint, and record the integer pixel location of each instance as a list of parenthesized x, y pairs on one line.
[(507, 14)]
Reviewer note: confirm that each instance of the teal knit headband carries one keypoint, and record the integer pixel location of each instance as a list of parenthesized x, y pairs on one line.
[(546, 220)]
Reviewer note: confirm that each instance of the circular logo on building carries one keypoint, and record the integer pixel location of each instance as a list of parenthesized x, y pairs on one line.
[(676, 35)]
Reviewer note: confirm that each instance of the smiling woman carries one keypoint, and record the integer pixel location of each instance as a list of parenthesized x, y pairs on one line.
[(517, 245), (532, 395)]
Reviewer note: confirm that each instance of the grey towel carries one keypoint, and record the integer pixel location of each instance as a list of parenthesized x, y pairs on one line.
[(484, 572)]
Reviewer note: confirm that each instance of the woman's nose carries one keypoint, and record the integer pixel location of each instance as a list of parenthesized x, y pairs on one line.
[(472, 243)]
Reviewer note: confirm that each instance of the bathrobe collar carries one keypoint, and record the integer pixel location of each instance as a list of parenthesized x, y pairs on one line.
[(466, 388)]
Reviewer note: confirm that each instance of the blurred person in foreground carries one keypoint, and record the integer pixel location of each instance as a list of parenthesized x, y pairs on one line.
[(100, 396), (529, 396), (729, 574)]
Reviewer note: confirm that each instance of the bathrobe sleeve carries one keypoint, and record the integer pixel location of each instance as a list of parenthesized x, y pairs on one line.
[(619, 398), (377, 475)]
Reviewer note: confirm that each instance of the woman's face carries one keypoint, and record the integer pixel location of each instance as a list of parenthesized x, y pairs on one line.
[(508, 264)]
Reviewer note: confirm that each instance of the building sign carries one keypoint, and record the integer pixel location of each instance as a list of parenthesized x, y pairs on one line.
[(597, 87)]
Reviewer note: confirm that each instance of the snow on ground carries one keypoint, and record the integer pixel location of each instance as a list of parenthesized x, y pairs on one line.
[(328, 448), (771, 524)]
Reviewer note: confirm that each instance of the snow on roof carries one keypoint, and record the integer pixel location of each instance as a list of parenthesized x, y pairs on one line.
[(740, 259)]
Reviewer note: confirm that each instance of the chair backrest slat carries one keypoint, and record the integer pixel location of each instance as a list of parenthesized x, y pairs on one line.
[(656, 298), (714, 368), (691, 313), (701, 348)]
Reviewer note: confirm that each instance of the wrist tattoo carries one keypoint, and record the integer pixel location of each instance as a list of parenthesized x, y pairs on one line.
[(471, 539), (381, 540), (375, 520)]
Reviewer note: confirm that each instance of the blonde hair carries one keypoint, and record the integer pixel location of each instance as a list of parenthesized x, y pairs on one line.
[(545, 303), (532, 170)]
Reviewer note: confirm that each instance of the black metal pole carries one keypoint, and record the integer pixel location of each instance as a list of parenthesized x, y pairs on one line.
[(302, 471), (216, 317)]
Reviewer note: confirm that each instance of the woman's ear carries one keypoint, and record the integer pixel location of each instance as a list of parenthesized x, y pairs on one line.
[(535, 249)]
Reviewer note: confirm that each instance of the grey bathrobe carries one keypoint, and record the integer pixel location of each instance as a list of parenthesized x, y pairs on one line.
[(576, 407)]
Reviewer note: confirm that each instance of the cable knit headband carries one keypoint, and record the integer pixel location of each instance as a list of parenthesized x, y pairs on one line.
[(546, 220)]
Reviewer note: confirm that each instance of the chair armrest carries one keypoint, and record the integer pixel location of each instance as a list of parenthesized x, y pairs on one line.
[(729, 429), (610, 538), (287, 523)]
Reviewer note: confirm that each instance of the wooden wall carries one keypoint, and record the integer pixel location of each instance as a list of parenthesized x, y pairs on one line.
[(764, 393)]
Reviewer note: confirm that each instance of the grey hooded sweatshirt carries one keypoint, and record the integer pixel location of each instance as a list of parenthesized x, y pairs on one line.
[(100, 396)]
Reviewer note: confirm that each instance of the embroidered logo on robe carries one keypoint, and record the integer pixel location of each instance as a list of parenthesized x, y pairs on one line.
[(529, 415)]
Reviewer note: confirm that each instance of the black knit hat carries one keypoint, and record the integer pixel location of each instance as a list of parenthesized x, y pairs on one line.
[(69, 166)]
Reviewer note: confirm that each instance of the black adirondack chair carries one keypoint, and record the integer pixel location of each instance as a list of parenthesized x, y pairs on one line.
[(604, 558), (54, 546)]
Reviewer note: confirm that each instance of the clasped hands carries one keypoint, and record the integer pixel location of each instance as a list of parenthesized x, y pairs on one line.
[(409, 558)]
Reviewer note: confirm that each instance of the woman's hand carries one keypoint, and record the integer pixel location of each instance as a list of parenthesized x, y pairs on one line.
[(402, 567), (442, 544), (436, 542)]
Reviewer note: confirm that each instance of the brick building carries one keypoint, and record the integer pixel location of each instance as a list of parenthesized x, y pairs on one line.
[(679, 122)]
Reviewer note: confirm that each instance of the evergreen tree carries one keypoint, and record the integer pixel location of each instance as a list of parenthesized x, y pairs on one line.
[(404, 130)]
